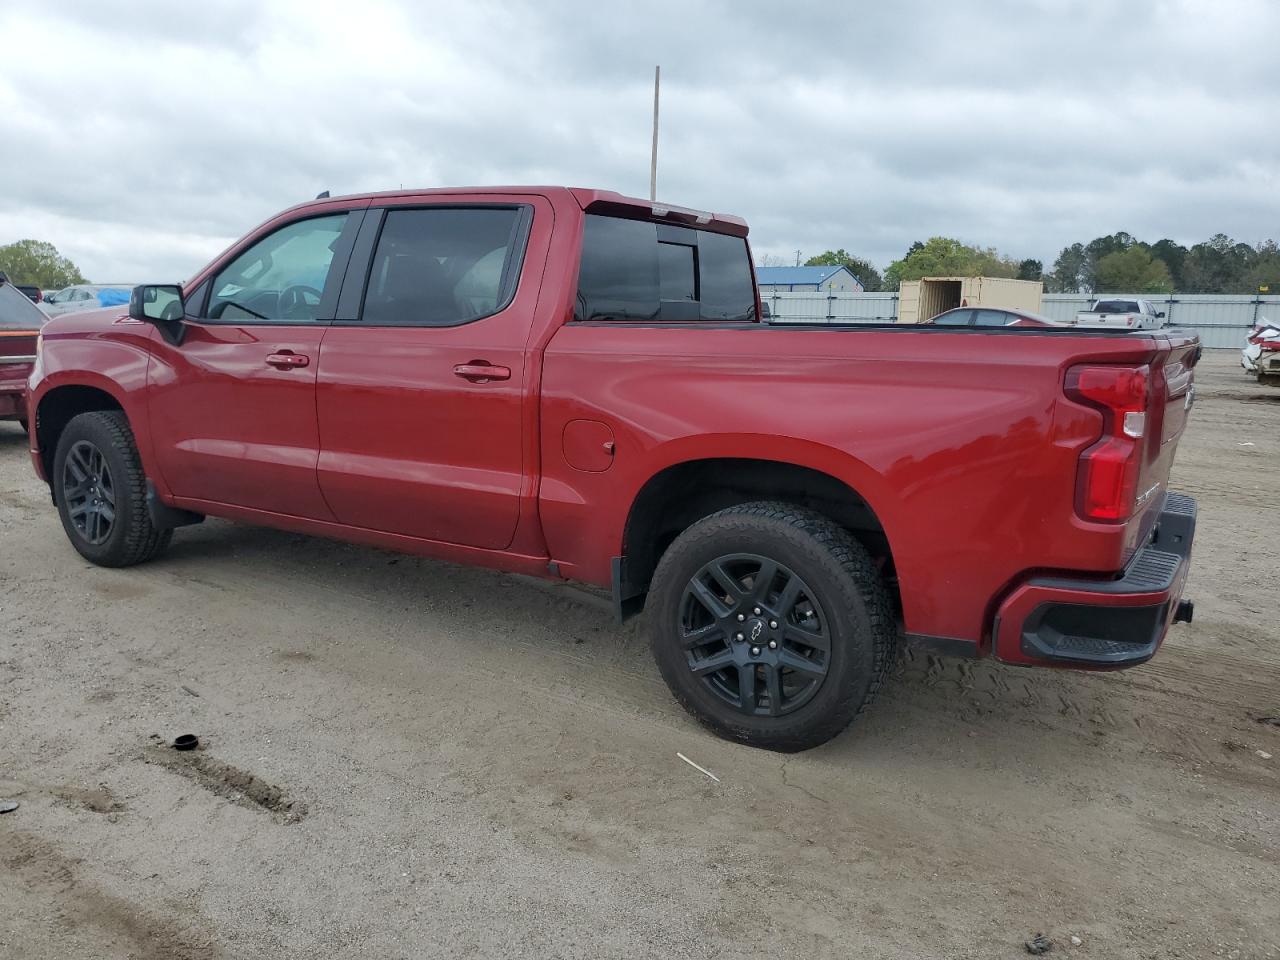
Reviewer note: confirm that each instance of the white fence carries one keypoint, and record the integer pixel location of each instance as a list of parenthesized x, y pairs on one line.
[(832, 307), (1219, 319)]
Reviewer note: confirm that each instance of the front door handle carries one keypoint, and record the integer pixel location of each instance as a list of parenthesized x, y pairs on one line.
[(481, 371), (287, 360)]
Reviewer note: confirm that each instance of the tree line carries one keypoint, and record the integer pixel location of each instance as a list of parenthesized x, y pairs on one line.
[(38, 263), (1119, 263)]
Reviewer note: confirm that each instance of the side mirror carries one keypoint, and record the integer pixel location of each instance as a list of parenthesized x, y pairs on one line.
[(1160, 315), (153, 302), (161, 304)]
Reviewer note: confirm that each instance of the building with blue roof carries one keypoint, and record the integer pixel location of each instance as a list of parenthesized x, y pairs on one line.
[(810, 279)]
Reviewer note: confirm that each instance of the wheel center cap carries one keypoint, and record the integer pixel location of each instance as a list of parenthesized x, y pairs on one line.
[(755, 630)]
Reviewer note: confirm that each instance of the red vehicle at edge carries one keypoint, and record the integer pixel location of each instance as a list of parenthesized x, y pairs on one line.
[(574, 384), (20, 322)]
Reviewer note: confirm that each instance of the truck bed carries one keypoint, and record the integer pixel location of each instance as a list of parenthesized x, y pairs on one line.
[(925, 423)]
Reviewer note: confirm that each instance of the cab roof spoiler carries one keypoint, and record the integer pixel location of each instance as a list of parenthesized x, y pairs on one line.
[(609, 203)]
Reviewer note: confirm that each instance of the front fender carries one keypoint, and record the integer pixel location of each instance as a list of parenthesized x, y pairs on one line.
[(113, 361)]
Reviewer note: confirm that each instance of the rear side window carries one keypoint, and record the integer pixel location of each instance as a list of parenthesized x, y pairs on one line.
[(992, 318), (17, 312), (443, 266), (634, 270)]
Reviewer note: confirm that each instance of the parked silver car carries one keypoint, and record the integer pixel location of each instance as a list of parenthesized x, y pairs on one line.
[(86, 296)]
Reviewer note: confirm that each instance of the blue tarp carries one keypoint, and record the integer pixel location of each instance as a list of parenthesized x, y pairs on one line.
[(113, 296)]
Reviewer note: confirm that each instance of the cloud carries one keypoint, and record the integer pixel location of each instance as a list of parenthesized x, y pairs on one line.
[(142, 142)]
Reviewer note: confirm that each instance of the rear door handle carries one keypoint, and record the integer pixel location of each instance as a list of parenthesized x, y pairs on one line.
[(481, 371), (287, 360)]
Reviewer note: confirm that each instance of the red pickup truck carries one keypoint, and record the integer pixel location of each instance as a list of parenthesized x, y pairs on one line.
[(574, 384)]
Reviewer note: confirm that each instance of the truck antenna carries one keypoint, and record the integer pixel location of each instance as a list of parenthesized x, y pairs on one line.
[(653, 156)]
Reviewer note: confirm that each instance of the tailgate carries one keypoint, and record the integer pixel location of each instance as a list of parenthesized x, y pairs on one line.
[(1172, 393)]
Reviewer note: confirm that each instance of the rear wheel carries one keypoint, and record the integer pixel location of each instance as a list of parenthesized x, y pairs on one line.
[(771, 625), (101, 492)]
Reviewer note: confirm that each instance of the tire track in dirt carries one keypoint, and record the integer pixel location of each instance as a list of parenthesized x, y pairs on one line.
[(114, 926)]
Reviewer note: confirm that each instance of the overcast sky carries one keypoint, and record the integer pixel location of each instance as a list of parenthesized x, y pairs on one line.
[(142, 137)]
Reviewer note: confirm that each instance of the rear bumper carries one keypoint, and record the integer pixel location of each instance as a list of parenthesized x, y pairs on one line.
[(1102, 624)]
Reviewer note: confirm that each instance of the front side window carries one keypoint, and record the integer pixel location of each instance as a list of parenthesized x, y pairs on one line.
[(636, 270), (953, 318), (280, 278), (444, 266)]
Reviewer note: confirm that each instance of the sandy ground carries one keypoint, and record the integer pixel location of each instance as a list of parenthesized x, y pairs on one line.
[(408, 759)]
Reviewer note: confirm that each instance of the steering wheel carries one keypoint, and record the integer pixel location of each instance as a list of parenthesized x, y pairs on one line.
[(298, 302)]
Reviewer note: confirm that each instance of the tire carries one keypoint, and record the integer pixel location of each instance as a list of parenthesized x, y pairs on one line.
[(100, 446), (704, 597)]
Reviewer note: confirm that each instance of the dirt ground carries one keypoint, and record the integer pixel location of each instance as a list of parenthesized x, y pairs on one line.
[(403, 758)]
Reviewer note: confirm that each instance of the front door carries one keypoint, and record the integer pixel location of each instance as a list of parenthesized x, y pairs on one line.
[(421, 390), (233, 405)]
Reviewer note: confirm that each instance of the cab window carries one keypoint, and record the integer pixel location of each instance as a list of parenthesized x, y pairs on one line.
[(637, 270), (282, 277), (445, 266)]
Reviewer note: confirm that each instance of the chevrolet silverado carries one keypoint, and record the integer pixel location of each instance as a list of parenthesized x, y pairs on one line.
[(574, 384)]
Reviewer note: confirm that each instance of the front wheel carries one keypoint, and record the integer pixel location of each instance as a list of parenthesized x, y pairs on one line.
[(101, 492), (771, 625)]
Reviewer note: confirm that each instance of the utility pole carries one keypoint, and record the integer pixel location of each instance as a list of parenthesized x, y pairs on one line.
[(653, 157)]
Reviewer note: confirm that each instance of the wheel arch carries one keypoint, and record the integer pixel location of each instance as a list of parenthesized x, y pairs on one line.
[(683, 492), (59, 404)]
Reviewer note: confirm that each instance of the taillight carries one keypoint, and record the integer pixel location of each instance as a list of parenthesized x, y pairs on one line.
[(1107, 480)]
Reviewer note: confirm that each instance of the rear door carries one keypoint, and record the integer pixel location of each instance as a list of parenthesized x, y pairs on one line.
[(233, 405), (423, 376)]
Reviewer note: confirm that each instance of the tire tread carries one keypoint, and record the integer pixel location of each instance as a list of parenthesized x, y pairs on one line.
[(852, 557), (142, 539)]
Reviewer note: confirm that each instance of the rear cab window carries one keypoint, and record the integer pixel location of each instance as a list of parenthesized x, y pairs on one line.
[(641, 271)]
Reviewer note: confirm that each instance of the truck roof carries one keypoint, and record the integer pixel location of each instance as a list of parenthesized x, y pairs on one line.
[(589, 199)]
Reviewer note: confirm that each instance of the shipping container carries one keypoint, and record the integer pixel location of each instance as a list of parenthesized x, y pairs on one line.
[(921, 300)]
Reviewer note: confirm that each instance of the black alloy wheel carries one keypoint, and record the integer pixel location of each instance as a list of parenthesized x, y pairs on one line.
[(101, 491), (90, 492), (754, 634), (771, 624)]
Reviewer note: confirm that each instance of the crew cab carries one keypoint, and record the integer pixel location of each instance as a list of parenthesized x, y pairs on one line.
[(1136, 314), (575, 384)]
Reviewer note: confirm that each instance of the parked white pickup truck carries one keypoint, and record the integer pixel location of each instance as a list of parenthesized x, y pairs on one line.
[(1109, 314)]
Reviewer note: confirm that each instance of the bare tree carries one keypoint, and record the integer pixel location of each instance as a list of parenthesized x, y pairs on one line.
[(772, 260)]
